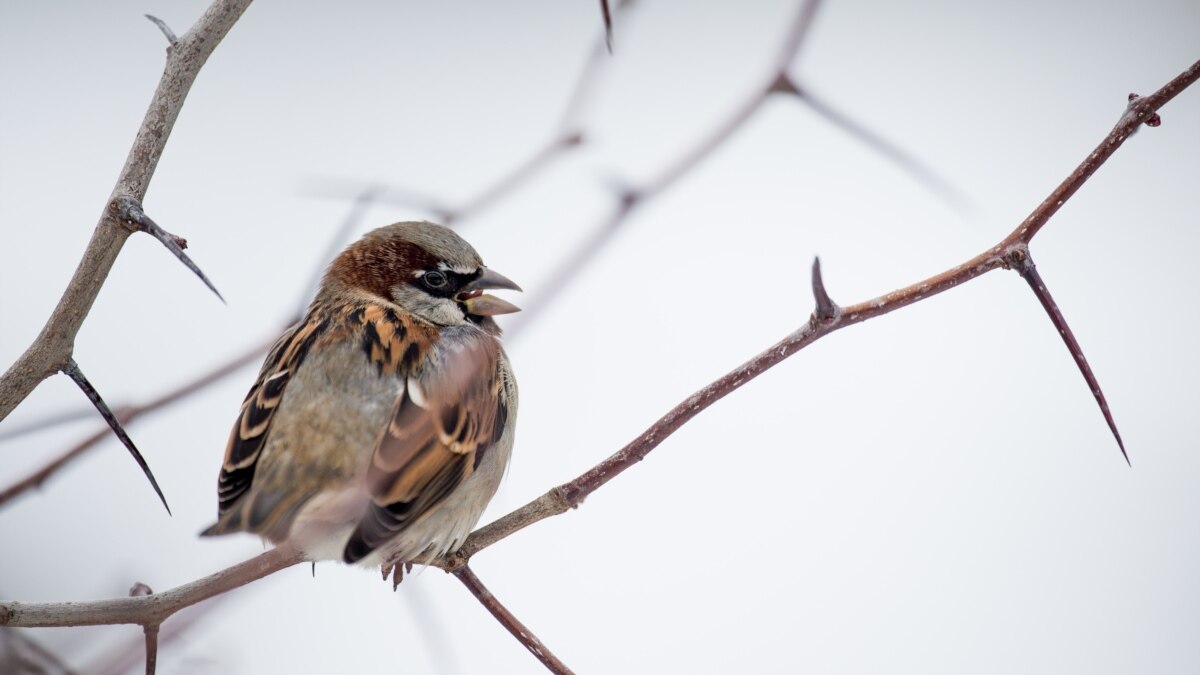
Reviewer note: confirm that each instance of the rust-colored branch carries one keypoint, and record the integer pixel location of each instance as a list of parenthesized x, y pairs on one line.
[(72, 370), (1140, 111), (1006, 254), (510, 622), (52, 349)]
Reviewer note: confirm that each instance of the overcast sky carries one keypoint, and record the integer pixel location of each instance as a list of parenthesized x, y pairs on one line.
[(930, 492)]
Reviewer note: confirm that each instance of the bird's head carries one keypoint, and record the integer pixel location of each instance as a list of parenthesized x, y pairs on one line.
[(426, 269)]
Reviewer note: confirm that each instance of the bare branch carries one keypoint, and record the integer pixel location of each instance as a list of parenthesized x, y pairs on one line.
[(1141, 110), (73, 371), (569, 495), (151, 632), (588, 75), (156, 608), (52, 349), (127, 414), (925, 176), (129, 210), (629, 199), (510, 622), (48, 422), (20, 654), (509, 182), (147, 609), (1023, 263)]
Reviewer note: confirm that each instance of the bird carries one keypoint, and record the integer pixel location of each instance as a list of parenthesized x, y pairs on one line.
[(381, 424)]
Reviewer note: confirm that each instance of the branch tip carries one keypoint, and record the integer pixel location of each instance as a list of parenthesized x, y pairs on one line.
[(72, 370), (166, 30), (826, 308), (129, 211)]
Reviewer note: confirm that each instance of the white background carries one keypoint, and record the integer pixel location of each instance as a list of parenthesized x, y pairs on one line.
[(930, 492)]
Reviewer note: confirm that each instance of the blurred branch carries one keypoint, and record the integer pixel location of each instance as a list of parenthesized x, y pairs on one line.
[(567, 138), (127, 414), (510, 622), (629, 199), (1009, 253), (51, 351), (19, 654)]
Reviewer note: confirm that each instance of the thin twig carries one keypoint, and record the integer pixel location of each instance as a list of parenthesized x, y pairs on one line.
[(127, 414), (598, 59), (20, 654), (508, 183), (510, 622), (628, 199), (151, 632), (33, 426), (72, 370), (53, 347), (925, 176)]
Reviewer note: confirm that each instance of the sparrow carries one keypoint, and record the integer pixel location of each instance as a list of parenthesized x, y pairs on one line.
[(381, 424)]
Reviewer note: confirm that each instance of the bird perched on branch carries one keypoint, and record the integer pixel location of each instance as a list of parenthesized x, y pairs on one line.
[(381, 424)]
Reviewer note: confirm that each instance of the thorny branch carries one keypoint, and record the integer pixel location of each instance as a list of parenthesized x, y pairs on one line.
[(52, 350), (127, 414), (1008, 253), (629, 199), (567, 140)]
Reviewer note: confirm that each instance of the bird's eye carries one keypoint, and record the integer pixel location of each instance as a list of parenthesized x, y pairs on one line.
[(434, 279)]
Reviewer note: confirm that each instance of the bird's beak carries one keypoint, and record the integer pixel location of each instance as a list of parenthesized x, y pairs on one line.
[(472, 297)]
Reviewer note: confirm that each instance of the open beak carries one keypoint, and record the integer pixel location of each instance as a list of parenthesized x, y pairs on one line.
[(472, 297)]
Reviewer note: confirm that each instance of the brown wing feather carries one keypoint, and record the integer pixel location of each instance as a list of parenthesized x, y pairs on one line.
[(439, 430), (254, 420)]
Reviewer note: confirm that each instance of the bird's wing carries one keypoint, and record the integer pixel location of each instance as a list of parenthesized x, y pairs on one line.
[(254, 421), (441, 426)]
